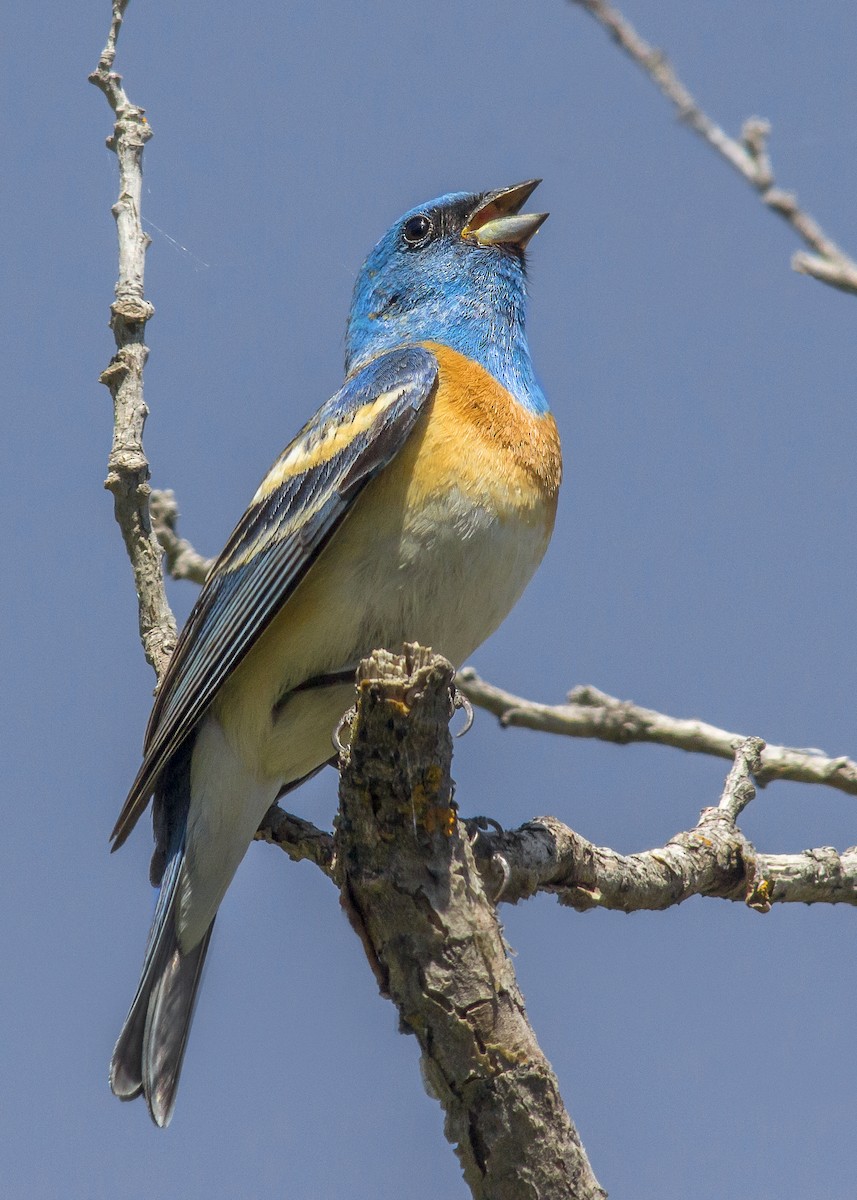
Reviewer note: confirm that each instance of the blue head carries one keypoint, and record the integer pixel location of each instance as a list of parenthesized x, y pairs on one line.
[(452, 271)]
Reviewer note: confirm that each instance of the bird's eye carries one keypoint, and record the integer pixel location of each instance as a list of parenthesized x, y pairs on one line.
[(418, 230)]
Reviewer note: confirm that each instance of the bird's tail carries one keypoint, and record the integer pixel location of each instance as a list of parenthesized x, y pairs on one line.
[(149, 1053)]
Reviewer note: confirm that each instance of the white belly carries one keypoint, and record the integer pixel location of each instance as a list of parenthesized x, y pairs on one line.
[(459, 569)]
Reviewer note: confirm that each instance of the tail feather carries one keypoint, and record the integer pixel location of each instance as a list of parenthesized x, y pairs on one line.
[(171, 1009), (149, 1052)]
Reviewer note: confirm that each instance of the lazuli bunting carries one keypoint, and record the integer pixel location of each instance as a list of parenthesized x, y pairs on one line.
[(414, 506)]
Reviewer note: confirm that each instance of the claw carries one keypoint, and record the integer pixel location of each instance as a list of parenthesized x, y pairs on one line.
[(459, 700), (475, 828), (497, 860), (346, 720), (482, 825)]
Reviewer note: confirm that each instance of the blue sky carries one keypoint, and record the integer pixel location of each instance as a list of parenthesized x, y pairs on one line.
[(703, 563)]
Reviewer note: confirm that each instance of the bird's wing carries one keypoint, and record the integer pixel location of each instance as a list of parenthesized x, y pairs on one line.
[(297, 508)]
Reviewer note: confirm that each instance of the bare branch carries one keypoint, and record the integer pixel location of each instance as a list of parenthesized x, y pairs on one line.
[(819, 876), (182, 561), (411, 890), (738, 790), (749, 157), (590, 713), (128, 470), (300, 839), (712, 859)]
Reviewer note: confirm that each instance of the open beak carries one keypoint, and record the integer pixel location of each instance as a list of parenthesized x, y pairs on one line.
[(498, 221)]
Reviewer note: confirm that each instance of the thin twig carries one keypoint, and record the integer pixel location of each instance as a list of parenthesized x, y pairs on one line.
[(590, 713), (738, 790), (749, 157), (180, 559), (128, 469)]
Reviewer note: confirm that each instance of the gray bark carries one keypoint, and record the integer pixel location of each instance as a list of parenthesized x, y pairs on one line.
[(411, 889)]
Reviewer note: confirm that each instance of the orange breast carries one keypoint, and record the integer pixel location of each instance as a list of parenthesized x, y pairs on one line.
[(480, 439)]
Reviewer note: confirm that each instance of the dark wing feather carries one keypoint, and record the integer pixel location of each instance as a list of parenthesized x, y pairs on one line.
[(297, 509)]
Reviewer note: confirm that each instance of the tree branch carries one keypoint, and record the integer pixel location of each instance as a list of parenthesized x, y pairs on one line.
[(300, 839), (128, 470), (411, 890), (749, 157), (590, 713), (712, 859)]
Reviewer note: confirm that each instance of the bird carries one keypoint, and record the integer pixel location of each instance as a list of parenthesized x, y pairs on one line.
[(414, 506)]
